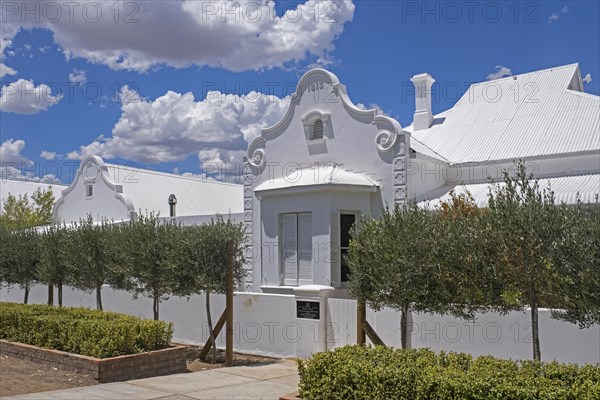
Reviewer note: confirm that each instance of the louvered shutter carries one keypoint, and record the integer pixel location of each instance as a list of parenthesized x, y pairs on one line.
[(289, 250), (335, 250), (305, 249)]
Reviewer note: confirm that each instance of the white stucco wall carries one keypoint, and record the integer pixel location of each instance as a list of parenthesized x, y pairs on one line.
[(503, 336), (266, 324)]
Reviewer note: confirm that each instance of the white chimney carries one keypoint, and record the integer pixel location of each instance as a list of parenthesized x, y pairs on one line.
[(423, 116)]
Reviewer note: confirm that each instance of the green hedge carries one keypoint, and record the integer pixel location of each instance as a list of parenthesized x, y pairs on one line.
[(356, 372), (81, 330)]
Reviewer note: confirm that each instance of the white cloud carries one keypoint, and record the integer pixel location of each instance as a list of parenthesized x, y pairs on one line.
[(175, 126), (556, 15), (23, 97), (78, 77), (499, 72), (48, 155), (11, 172), (5, 69), (13, 162), (10, 152), (235, 34)]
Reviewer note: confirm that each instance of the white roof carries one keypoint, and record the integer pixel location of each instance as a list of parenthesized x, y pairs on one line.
[(320, 176), (565, 188), (18, 187), (150, 190), (535, 114)]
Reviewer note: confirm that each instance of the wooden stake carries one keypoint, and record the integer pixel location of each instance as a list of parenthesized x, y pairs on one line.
[(229, 308), (206, 348), (372, 334), (361, 318)]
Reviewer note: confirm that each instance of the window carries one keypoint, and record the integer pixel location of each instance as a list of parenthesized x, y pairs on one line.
[(317, 129), (296, 248), (346, 223), (315, 123), (89, 190)]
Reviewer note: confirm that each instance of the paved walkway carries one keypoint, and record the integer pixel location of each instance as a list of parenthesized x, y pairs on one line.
[(247, 382)]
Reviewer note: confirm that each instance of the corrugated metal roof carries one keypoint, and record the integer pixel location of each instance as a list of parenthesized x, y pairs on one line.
[(565, 188), (521, 116), (150, 190), (18, 187)]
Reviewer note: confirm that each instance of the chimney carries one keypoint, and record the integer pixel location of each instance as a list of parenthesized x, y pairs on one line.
[(423, 116)]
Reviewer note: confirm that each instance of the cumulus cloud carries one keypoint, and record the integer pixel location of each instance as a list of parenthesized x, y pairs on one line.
[(78, 77), (5, 69), (175, 126), (23, 97), (48, 155), (235, 34), (499, 72), (11, 172), (10, 152), (14, 165)]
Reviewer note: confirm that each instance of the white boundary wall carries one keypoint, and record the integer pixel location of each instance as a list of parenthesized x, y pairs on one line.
[(266, 324), (504, 336)]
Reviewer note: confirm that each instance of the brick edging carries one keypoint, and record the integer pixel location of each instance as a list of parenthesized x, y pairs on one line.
[(142, 365), (291, 396)]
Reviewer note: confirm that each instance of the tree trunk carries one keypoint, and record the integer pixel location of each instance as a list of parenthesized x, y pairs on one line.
[(60, 287), (534, 321), (99, 296), (155, 305), (50, 295), (404, 325), (210, 327), (26, 298)]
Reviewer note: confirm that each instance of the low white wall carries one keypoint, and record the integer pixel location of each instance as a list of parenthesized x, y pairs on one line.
[(504, 336), (266, 324)]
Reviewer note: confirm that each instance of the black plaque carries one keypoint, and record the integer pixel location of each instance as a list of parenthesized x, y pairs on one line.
[(308, 309)]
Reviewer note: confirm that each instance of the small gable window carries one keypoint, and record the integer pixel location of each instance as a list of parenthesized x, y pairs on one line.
[(315, 123), (89, 190), (317, 129)]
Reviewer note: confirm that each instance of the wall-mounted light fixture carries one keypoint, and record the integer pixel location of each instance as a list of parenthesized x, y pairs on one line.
[(172, 204)]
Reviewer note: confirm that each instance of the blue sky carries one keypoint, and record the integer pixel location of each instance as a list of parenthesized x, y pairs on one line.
[(124, 73)]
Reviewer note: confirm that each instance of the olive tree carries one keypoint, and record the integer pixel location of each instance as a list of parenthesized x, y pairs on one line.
[(544, 250), (150, 254), (56, 265), (393, 263), (19, 258), (203, 261), (97, 256), (580, 298), (21, 213)]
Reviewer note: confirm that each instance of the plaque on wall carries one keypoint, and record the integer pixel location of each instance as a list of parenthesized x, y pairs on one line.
[(308, 309)]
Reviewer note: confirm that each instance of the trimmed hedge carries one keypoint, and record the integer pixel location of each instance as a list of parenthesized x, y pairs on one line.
[(82, 331), (356, 372)]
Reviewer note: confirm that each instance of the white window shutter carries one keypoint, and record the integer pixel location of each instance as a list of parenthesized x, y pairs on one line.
[(289, 249), (335, 250), (305, 249)]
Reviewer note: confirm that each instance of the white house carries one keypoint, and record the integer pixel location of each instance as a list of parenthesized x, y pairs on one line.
[(115, 192), (327, 162)]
